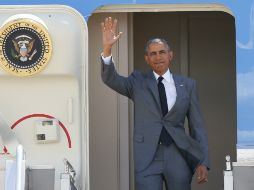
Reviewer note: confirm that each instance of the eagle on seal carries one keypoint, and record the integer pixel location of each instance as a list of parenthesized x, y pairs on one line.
[(23, 45)]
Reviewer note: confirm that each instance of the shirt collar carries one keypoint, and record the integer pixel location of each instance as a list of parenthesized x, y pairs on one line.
[(167, 76)]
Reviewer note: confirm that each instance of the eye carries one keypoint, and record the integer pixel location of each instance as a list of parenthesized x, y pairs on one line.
[(152, 53), (162, 52)]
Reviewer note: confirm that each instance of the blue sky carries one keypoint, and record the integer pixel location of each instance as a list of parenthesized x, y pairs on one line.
[(245, 73), (244, 14)]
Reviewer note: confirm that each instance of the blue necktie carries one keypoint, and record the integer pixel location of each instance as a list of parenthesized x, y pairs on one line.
[(165, 138)]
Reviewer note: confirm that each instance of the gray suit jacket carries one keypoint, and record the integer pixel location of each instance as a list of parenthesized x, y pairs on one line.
[(148, 119)]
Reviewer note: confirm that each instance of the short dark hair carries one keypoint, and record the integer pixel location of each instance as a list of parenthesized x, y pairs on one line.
[(156, 40)]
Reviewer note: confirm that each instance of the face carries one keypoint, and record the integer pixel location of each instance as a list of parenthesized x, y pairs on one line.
[(158, 57)]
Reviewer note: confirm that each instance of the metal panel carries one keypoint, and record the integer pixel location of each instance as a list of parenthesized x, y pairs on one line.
[(212, 63), (49, 92), (109, 131), (243, 176)]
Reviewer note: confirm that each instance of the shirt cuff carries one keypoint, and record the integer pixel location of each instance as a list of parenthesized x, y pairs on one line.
[(106, 60)]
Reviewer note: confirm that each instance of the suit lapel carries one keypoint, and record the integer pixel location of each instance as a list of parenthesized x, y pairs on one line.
[(151, 84), (179, 86), (179, 93)]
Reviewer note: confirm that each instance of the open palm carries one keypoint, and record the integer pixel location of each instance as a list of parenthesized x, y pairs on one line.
[(109, 35)]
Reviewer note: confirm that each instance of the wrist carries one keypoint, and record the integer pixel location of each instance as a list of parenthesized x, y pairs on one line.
[(106, 51)]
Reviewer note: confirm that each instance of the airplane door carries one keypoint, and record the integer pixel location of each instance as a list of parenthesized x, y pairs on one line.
[(43, 99)]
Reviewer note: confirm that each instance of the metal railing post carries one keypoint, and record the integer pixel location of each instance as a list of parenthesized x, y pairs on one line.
[(228, 175)]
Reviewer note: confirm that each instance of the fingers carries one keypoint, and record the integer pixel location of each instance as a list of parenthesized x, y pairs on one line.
[(202, 175), (114, 25), (109, 32), (118, 36), (102, 27), (202, 180), (108, 24)]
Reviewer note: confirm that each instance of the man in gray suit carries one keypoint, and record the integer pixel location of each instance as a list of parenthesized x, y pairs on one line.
[(162, 100)]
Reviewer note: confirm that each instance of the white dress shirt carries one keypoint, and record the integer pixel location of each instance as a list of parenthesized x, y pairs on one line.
[(170, 88), (168, 82), (106, 60)]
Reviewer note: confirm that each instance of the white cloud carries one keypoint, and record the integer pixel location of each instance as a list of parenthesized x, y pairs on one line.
[(245, 85), (245, 136), (249, 44)]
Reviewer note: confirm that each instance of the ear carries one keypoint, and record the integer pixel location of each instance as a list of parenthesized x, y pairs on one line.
[(171, 55), (146, 58)]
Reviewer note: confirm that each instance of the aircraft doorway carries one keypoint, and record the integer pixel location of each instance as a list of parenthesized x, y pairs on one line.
[(203, 41)]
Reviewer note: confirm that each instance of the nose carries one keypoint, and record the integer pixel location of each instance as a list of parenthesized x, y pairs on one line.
[(158, 56)]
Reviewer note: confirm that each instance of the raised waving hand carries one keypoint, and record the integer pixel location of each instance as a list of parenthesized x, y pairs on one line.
[(109, 35)]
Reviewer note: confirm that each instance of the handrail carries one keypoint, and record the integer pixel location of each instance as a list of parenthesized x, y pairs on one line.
[(9, 138), (228, 175), (19, 164)]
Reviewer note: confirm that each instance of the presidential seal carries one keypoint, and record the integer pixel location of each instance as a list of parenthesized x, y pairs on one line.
[(25, 47)]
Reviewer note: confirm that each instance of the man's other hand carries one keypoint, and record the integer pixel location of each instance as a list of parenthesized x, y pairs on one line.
[(202, 174)]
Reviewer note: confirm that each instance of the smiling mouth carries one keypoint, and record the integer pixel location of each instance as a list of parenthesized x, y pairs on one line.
[(159, 63)]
